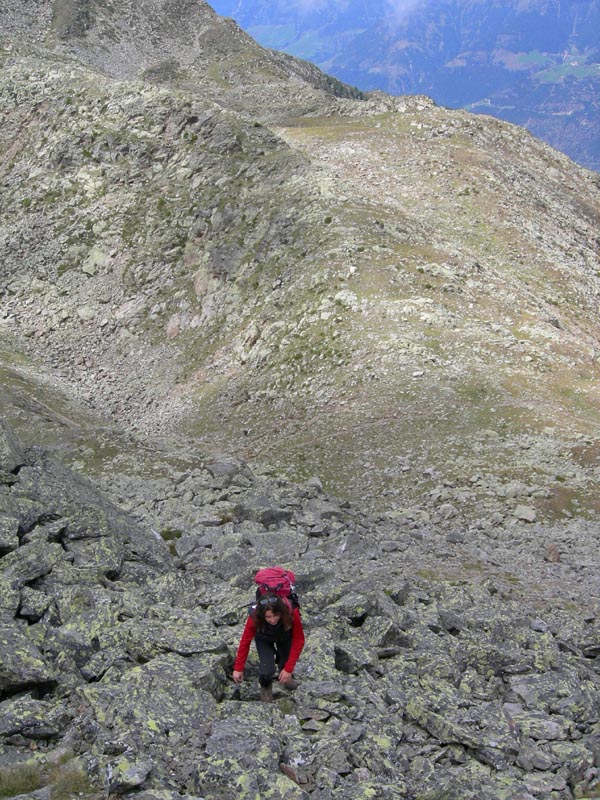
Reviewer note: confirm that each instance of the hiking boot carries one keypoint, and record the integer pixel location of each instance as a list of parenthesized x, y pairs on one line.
[(266, 694)]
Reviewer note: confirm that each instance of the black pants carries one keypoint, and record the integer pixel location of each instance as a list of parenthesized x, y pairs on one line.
[(272, 654)]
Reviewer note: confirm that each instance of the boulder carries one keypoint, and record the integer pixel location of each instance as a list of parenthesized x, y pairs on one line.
[(12, 455), (21, 662)]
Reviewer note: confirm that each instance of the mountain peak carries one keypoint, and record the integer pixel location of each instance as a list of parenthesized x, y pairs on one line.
[(176, 43)]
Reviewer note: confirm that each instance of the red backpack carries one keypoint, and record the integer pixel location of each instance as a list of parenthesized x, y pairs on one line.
[(279, 582)]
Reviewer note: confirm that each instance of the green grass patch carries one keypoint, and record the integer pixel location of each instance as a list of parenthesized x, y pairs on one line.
[(64, 782), (69, 782), (170, 536), (534, 57), (20, 779), (561, 72)]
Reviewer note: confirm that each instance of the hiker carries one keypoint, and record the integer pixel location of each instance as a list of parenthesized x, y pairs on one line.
[(279, 637)]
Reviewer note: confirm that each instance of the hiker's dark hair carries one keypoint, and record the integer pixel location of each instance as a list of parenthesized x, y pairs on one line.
[(275, 604)]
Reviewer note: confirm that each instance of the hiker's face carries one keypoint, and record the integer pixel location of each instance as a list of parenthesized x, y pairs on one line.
[(272, 617)]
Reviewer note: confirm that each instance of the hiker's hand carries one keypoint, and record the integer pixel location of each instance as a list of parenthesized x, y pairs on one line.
[(238, 675), (284, 676)]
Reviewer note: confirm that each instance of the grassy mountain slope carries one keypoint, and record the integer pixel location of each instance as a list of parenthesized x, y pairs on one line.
[(456, 331), (403, 303)]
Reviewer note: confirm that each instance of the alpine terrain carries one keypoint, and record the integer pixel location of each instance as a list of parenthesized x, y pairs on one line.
[(250, 316), (534, 63)]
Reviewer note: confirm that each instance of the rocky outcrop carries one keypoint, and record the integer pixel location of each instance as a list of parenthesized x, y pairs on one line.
[(116, 644)]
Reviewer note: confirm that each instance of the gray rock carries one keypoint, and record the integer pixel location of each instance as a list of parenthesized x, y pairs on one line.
[(11, 454), (21, 662), (124, 774), (224, 779), (33, 719), (30, 562), (351, 656), (525, 513), (9, 534), (538, 726)]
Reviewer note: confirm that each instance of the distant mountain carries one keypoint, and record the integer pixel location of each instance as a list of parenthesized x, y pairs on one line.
[(535, 63)]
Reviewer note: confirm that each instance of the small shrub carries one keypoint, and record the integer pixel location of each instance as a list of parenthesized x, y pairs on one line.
[(68, 783), (171, 534), (19, 779)]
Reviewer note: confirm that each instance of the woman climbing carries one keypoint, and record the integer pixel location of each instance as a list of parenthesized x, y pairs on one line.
[(279, 637)]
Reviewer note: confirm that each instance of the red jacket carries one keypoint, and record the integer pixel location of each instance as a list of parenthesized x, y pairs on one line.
[(249, 633)]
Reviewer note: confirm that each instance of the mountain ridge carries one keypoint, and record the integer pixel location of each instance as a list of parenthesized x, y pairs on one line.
[(533, 64), (265, 306), (178, 43)]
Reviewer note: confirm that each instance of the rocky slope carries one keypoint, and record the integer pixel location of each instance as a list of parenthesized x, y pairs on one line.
[(175, 43), (395, 298), (417, 680)]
